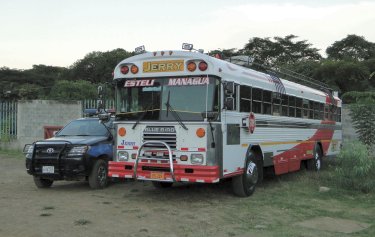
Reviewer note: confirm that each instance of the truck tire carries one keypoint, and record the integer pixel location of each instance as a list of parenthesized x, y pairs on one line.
[(315, 164), (98, 177), (244, 185), (42, 183)]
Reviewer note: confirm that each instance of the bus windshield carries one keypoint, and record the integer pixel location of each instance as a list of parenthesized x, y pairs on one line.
[(155, 99)]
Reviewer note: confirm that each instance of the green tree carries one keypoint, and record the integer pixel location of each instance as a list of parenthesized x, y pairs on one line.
[(97, 66), (280, 51), (343, 75), (76, 90), (352, 47)]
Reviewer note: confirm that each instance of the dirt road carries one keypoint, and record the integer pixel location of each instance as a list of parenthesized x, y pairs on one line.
[(137, 209)]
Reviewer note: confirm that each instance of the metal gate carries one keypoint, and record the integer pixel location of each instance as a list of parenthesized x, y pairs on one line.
[(8, 120)]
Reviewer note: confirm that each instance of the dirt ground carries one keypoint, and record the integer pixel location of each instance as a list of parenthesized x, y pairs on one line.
[(132, 209)]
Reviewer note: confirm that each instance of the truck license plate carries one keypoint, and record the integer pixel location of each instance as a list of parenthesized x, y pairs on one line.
[(157, 175), (48, 169)]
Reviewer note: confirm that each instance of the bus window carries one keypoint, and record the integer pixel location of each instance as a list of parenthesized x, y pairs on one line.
[(276, 104), (284, 102), (316, 110), (306, 109), (256, 104), (299, 105), (267, 99), (292, 106), (321, 111), (245, 98), (311, 109)]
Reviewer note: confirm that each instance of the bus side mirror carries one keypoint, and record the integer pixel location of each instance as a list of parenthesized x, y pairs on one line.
[(229, 88), (229, 103)]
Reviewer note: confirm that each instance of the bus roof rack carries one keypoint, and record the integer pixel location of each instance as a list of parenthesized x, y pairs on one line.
[(248, 62)]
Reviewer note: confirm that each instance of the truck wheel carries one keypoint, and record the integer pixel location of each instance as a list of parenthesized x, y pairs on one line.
[(42, 183), (315, 164), (98, 177), (162, 184), (244, 185)]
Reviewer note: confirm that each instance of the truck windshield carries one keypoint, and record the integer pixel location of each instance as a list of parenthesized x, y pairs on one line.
[(84, 127), (148, 98)]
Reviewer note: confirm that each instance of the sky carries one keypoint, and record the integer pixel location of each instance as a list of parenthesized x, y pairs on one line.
[(58, 33)]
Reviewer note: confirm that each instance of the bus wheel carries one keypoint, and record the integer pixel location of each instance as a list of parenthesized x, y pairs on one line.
[(315, 164), (244, 185), (42, 183), (162, 184)]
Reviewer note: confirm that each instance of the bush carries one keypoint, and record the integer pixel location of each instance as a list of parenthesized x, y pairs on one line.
[(355, 168)]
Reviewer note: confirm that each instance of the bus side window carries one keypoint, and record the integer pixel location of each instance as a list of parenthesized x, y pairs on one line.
[(316, 110), (267, 99), (284, 102), (292, 106), (311, 109), (299, 105), (245, 98), (306, 109), (230, 95), (276, 104), (321, 111), (256, 104)]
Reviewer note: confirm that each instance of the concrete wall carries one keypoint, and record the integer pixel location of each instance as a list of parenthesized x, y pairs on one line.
[(33, 115), (348, 132)]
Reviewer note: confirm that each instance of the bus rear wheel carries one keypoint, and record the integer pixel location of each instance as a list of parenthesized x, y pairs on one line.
[(315, 164), (244, 185)]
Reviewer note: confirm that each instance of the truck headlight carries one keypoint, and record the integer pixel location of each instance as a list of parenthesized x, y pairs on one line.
[(122, 156), (77, 151), (196, 158), (28, 151)]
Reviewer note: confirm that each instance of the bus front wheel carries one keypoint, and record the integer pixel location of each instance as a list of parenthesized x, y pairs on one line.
[(244, 185)]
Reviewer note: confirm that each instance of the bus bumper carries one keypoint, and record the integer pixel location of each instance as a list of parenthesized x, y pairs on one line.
[(161, 172)]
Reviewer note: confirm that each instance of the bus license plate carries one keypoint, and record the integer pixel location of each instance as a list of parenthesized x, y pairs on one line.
[(157, 175), (48, 169)]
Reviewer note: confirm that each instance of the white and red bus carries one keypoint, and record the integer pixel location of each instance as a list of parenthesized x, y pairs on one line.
[(184, 116)]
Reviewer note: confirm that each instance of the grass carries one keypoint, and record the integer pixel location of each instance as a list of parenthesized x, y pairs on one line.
[(282, 201), (11, 153)]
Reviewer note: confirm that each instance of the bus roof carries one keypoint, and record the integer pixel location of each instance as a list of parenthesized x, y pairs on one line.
[(170, 63)]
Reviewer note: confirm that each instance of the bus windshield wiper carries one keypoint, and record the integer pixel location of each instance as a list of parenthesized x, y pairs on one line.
[(141, 116), (173, 112)]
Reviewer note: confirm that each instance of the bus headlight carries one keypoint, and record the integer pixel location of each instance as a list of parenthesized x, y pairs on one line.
[(122, 156), (196, 158)]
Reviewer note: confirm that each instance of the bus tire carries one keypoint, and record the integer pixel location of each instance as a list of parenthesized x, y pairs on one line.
[(244, 185), (98, 177), (315, 164), (162, 184), (42, 183)]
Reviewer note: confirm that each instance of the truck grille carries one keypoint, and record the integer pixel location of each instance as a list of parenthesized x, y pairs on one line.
[(156, 134), (49, 151)]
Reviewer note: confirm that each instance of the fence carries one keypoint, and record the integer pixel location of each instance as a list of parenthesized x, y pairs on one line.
[(90, 104), (8, 120)]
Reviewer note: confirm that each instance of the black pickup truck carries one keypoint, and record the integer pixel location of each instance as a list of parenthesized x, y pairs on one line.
[(80, 150)]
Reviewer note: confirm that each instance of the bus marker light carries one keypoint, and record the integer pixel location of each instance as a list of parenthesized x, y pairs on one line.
[(134, 69), (122, 132), (200, 132), (191, 66), (183, 157), (202, 66), (124, 69)]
